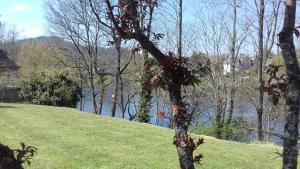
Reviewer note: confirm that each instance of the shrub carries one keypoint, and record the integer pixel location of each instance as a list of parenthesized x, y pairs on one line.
[(204, 130), (56, 89), (237, 131)]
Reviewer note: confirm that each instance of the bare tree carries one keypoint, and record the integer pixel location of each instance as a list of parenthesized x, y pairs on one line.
[(117, 44), (75, 23), (286, 40), (233, 63), (116, 41), (9, 34), (267, 14), (261, 14), (224, 53), (12, 36), (179, 29)]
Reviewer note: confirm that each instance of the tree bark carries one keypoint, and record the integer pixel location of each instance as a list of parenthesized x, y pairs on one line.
[(101, 93), (218, 115), (94, 100), (123, 107), (233, 62), (290, 148), (81, 96), (259, 134), (181, 122), (219, 111), (179, 38), (117, 78)]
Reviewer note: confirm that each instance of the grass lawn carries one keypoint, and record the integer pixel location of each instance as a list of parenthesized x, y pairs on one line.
[(69, 139)]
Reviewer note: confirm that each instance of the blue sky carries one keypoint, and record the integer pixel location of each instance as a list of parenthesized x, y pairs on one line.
[(29, 18), (26, 15)]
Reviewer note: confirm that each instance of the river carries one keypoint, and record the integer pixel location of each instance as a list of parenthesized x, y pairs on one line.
[(242, 109)]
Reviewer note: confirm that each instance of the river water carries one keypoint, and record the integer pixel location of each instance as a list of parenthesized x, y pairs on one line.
[(243, 109)]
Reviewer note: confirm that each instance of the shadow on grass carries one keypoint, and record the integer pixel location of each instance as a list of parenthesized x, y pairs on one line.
[(8, 107), (14, 158)]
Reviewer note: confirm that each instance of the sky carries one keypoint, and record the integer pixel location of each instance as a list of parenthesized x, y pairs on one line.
[(26, 15), (29, 18)]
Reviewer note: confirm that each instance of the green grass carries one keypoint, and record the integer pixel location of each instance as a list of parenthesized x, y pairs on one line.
[(69, 139)]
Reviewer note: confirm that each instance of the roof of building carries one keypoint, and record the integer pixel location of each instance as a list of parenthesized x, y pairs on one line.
[(6, 63)]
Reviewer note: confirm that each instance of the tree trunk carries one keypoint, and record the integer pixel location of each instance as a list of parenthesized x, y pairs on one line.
[(290, 148), (145, 93), (117, 77), (268, 135), (219, 113), (101, 93), (260, 71), (81, 96), (123, 108), (218, 117), (259, 130), (179, 25), (94, 100), (233, 61), (181, 122)]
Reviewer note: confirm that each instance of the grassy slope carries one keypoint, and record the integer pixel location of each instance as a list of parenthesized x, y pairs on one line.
[(68, 139)]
